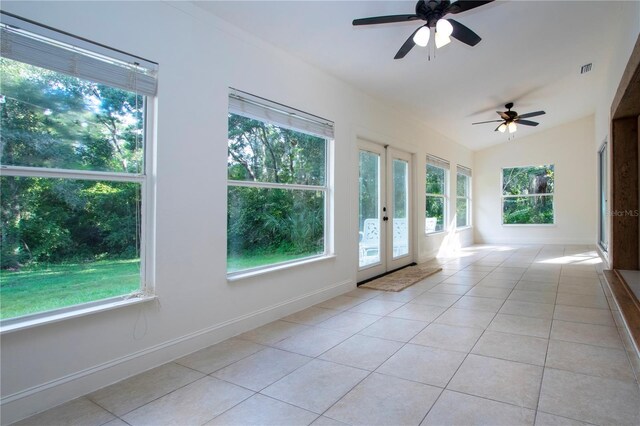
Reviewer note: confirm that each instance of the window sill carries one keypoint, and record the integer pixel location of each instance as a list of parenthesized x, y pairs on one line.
[(249, 274), (464, 228), (53, 317), (545, 225), (429, 234)]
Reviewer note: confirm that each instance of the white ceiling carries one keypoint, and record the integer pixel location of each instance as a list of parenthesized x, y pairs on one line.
[(531, 53)]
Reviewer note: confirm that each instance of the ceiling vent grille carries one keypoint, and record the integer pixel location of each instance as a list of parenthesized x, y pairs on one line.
[(586, 68)]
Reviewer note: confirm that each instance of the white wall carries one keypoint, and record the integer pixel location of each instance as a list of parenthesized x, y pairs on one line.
[(569, 148), (624, 37), (200, 57)]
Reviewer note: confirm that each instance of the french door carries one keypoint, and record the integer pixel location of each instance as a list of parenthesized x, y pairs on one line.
[(384, 213)]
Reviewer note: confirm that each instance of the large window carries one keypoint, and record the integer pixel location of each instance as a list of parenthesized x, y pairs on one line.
[(527, 195), (463, 197), (437, 187), (603, 174), (74, 160), (277, 184)]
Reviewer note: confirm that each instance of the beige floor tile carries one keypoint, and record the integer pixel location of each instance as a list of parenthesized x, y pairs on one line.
[(362, 352), (540, 277), (219, 355), (363, 293), (533, 296), (431, 366), (536, 286), (413, 311), (80, 412), (493, 282), (465, 318), (311, 316), (273, 332), (516, 324), (116, 422), (261, 369), (326, 421), (492, 292), (591, 360), (591, 399), (401, 330), (448, 337), (464, 281), (453, 408), (129, 394), (349, 322), (590, 334), (469, 271), (512, 347), (528, 309), (583, 300), (384, 400), (579, 280), (497, 379), (403, 296), (196, 403), (436, 299), (312, 342), (262, 410), (340, 303), (316, 386), (376, 307), (581, 288), (585, 315), (544, 419), (451, 289), (485, 304)]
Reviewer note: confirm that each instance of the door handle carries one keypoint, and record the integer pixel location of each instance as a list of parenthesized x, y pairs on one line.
[(385, 218)]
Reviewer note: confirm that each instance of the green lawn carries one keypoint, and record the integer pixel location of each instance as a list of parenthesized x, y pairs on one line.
[(238, 263), (45, 287)]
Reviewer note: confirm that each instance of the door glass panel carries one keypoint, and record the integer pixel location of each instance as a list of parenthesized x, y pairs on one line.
[(603, 197), (400, 235), (368, 217)]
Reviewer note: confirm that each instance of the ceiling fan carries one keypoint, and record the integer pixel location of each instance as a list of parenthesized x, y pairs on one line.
[(510, 118), (433, 12)]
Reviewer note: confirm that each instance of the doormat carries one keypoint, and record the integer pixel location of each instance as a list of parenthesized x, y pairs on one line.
[(401, 279)]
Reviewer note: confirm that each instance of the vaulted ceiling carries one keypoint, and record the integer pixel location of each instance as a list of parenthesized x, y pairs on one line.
[(530, 54)]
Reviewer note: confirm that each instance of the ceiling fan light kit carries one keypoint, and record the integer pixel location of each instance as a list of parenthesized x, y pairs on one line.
[(433, 12), (510, 119)]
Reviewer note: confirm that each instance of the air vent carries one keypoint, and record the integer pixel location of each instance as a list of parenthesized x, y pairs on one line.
[(586, 68)]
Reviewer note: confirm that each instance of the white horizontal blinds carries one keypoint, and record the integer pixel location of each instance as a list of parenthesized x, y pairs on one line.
[(251, 106), (34, 48), (465, 171), (432, 160)]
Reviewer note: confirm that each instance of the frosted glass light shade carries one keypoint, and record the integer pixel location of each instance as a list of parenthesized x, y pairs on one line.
[(444, 27), (442, 40), (421, 38), (512, 127)]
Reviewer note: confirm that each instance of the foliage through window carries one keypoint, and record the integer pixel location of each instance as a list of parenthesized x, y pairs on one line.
[(436, 195), (73, 170), (527, 195), (463, 197), (277, 190)]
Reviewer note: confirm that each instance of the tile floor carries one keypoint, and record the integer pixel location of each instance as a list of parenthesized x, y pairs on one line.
[(517, 335)]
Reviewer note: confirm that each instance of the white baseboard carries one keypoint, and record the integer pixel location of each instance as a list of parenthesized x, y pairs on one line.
[(39, 398)]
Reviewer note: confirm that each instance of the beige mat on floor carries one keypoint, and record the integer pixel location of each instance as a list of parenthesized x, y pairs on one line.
[(401, 279)]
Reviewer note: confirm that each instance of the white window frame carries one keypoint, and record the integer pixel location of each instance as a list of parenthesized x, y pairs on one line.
[(502, 197), (261, 109), (437, 162), (86, 52), (467, 174), (603, 180)]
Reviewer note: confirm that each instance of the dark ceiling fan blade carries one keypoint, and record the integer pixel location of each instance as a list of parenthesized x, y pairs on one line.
[(464, 5), (407, 46), (497, 128), (385, 19), (490, 121), (527, 122), (531, 114), (463, 33), (503, 115)]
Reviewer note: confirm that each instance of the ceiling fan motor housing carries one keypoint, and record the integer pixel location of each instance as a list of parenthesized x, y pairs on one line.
[(431, 11)]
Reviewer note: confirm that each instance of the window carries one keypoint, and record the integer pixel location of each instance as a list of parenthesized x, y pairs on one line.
[(74, 171), (278, 184), (463, 197), (527, 195), (436, 194), (602, 197)]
